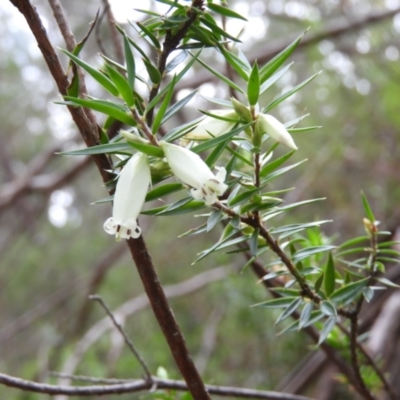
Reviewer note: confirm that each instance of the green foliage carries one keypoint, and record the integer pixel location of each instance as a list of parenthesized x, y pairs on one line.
[(315, 280)]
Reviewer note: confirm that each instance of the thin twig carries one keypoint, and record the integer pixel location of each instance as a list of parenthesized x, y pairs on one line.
[(128, 341), (133, 306), (114, 35), (171, 42), (69, 38), (141, 385), (371, 362), (61, 19), (334, 29)]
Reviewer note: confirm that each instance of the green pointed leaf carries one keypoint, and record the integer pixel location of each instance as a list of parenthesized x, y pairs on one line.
[(318, 282), (154, 73), (274, 78), (204, 36), (181, 130), (235, 62), (368, 293), (273, 275), (288, 94), (310, 251), (281, 171), (213, 219), (214, 247), (97, 75), (208, 144), (268, 69), (388, 282), (300, 203), (272, 166), (132, 42), (213, 157), (329, 276), (349, 292), (239, 156), (253, 85), (354, 250), (122, 85), (293, 227), (328, 308), (243, 197), (110, 148), (220, 102), (150, 35), (224, 11), (162, 93), (130, 63), (289, 310), (282, 302), (173, 4), (327, 328), (305, 314), (253, 243), (305, 129), (163, 108), (73, 88), (367, 208), (147, 149), (221, 77), (189, 207), (216, 30), (177, 106), (106, 107), (163, 190), (177, 60), (354, 241)]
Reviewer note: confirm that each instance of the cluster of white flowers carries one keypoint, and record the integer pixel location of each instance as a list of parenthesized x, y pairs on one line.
[(135, 177)]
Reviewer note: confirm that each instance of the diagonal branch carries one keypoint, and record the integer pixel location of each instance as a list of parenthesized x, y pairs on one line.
[(140, 255)]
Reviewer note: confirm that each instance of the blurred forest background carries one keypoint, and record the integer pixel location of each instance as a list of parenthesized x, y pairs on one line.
[(54, 252)]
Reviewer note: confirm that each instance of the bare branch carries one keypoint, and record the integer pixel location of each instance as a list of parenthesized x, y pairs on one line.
[(140, 385), (62, 22)]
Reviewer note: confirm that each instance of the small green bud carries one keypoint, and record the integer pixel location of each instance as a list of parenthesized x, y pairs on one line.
[(258, 133), (241, 110), (131, 137)]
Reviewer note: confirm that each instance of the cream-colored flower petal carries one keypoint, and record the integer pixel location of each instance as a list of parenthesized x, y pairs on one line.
[(192, 170), (213, 125), (276, 130), (130, 193)]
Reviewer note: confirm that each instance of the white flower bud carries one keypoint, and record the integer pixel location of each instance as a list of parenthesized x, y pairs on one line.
[(212, 125), (276, 130)]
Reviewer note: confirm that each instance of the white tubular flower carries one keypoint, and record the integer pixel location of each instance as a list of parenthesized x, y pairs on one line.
[(276, 130), (191, 169), (130, 193), (213, 125)]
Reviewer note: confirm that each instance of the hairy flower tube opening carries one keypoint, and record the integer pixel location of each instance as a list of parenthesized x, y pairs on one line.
[(132, 186), (192, 170)]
